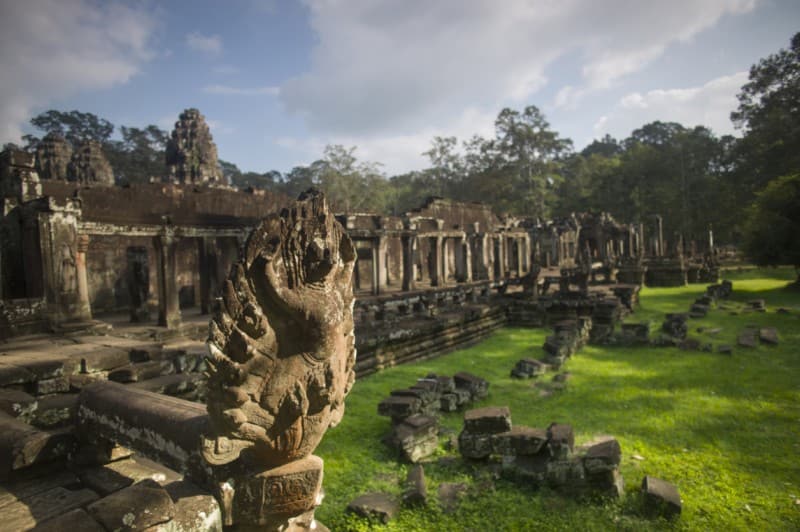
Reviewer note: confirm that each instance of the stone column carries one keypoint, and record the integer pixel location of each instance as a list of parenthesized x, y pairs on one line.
[(463, 260), (520, 255), (436, 257), (169, 312), (409, 246), (378, 273), (467, 260), (84, 309), (659, 236), (207, 263)]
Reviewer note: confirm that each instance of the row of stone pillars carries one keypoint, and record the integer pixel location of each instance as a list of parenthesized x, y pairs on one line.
[(472, 257)]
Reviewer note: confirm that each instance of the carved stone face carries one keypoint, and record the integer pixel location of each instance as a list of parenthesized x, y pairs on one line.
[(281, 347)]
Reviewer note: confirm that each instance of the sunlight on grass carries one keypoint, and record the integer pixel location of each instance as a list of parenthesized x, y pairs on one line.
[(724, 429)]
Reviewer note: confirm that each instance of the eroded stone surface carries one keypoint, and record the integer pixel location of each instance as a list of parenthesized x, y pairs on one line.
[(374, 505), (661, 497), (282, 346), (134, 508), (191, 154)]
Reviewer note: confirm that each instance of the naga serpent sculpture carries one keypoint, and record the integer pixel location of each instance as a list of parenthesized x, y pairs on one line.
[(281, 349)]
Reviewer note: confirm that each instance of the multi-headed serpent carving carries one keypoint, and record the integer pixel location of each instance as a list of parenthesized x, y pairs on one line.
[(281, 346)]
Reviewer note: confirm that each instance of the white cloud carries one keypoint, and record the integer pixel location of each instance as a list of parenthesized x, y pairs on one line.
[(709, 104), (54, 48), (238, 91), (209, 44), (384, 70)]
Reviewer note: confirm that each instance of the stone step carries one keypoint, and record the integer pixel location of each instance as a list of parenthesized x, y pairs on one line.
[(27, 513), (22, 445)]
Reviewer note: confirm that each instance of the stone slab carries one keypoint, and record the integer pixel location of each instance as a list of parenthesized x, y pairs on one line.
[(661, 497), (134, 508), (488, 420), (416, 492), (22, 445), (21, 490), (76, 520), (27, 513), (195, 509), (519, 440), (378, 506)]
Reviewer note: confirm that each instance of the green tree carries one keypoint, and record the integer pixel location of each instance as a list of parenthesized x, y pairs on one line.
[(769, 115), (773, 224), (74, 126), (447, 166), (531, 152)]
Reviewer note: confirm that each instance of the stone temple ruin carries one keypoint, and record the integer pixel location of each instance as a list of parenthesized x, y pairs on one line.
[(128, 277)]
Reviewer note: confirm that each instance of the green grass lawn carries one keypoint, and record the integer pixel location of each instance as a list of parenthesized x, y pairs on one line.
[(724, 429)]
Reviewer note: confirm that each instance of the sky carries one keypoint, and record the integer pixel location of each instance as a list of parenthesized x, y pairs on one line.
[(278, 80)]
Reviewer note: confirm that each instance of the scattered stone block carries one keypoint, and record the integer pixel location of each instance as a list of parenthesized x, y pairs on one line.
[(768, 335), (448, 402), (519, 441), (748, 338), (134, 508), (399, 407), (416, 492), (603, 456), (446, 384), (562, 377), (478, 387), (609, 483), (527, 368), (661, 497), (561, 439), (417, 437), (378, 506), (464, 396), (690, 344), (725, 349), (759, 305), (450, 493), (488, 420), (675, 325), (476, 446)]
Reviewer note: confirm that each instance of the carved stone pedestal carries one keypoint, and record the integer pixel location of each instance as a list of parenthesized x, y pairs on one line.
[(283, 498)]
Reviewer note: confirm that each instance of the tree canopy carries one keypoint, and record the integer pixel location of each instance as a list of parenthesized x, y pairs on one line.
[(772, 234)]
